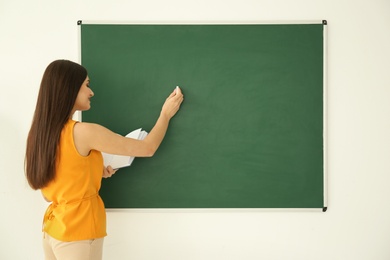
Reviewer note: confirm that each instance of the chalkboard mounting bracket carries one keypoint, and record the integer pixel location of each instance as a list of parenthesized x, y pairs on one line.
[(324, 209), (79, 22), (324, 22)]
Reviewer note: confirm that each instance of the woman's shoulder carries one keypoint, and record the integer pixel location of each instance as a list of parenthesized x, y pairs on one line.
[(88, 132), (86, 126), (84, 136)]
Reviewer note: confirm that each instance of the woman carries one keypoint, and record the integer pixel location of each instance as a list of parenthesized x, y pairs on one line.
[(64, 161)]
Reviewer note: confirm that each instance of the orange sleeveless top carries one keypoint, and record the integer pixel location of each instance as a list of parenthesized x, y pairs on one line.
[(77, 211)]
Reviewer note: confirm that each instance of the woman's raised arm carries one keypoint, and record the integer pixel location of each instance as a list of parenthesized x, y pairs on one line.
[(88, 136)]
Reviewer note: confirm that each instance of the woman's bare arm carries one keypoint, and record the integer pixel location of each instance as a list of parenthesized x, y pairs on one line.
[(88, 136)]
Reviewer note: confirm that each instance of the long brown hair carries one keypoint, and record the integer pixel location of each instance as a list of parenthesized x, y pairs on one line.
[(60, 85)]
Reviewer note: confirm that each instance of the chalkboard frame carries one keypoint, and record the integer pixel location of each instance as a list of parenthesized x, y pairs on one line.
[(78, 115)]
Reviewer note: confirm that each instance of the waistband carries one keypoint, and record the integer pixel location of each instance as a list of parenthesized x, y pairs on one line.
[(49, 211)]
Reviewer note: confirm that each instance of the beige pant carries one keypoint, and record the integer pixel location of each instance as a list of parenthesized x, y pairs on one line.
[(77, 250)]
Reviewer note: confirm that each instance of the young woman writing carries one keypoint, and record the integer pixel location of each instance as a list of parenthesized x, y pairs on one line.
[(64, 161)]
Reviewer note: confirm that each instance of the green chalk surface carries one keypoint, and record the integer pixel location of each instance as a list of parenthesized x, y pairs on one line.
[(250, 131)]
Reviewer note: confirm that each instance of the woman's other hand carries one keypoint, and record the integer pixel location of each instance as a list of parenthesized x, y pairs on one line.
[(108, 171)]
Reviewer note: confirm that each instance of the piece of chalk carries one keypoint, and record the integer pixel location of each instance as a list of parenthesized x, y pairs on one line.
[(177, 89)]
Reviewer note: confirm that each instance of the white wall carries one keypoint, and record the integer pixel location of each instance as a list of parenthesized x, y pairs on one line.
[(357, 223)]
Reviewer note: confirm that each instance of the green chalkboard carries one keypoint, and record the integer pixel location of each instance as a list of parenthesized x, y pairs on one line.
[(250, 131)]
